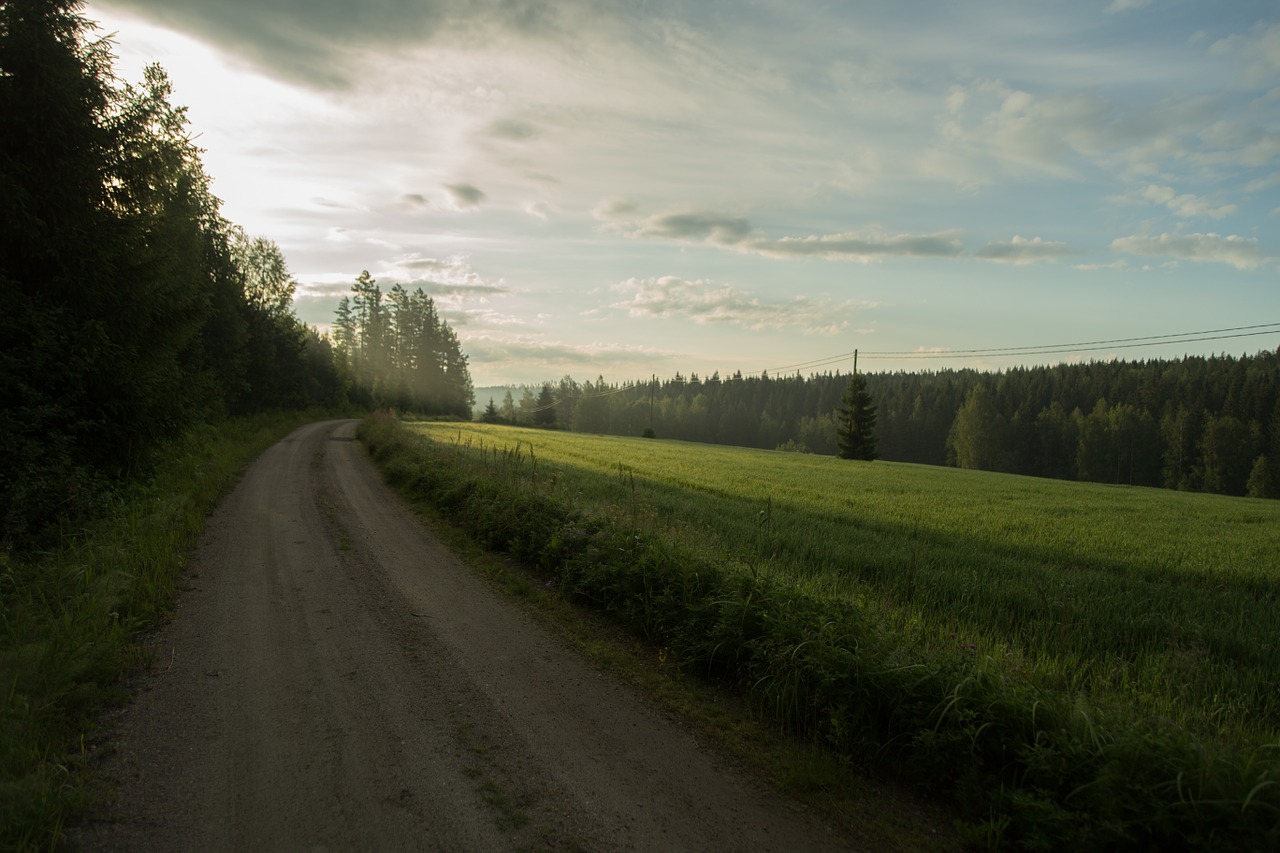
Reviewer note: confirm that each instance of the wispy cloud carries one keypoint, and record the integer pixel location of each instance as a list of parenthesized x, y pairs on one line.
[(736, 232), (498, 350), (465, 196), (451, 277), (1120, 6), (1021, 250), (1183, 204), (1243, 253), (704, 302)]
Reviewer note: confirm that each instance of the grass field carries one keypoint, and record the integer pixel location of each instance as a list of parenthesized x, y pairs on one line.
[(1000, 631)]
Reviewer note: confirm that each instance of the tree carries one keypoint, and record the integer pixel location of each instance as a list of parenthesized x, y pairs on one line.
[(977, 434), (490, 414), (1228, 453), (856, 421), (544, 414)]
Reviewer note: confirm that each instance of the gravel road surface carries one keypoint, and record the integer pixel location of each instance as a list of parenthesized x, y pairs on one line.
[(335, 679)]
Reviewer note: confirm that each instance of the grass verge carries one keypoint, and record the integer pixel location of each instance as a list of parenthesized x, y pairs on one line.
[(71, 618), (1032, 768)]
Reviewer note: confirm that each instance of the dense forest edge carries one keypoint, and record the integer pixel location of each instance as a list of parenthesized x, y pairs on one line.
[(1198, 423), (149, 350)]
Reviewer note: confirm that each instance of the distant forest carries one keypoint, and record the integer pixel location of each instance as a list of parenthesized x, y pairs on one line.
[(132, 310), (1198, 423)]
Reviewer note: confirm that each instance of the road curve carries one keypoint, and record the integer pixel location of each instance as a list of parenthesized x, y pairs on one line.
[(335, 679)]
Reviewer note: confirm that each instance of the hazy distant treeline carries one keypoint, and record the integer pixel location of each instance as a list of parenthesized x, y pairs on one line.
[(1198, 423), (130, 308)]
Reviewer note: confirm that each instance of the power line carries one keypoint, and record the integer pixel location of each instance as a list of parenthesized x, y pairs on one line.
[(1053, 349)]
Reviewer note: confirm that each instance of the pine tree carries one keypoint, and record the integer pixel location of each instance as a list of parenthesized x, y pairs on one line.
[(856, 421)]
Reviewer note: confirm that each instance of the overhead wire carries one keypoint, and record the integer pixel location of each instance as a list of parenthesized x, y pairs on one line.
[(1048, 349)]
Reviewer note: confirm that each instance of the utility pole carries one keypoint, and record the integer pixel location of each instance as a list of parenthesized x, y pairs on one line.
[(855, 362), (653, 383)]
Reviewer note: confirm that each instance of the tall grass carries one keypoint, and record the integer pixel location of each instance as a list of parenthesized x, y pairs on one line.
[(1078, 664), (71, 618)]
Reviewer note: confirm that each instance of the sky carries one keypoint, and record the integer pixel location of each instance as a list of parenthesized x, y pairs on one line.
[(624, 189)]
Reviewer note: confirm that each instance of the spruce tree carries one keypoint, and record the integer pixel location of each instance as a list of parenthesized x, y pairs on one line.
[(856, 421)]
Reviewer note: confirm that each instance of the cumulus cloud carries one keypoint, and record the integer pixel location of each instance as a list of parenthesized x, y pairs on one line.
[(1243, 253), (704, 303), (1021, 250), (465, 196)]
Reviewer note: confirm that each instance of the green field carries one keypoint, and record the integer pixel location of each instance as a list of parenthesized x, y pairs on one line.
[(1108, 620)]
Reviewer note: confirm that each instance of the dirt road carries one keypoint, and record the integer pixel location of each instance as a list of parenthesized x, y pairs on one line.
[(335, 679)]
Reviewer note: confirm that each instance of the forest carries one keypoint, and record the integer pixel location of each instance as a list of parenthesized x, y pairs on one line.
[(1198, 423), (400, 351), (133, 309)]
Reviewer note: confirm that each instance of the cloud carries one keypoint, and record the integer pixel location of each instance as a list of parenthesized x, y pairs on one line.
[(614, 208), (737, 233), (322, 44), (1020, 250), (1243, 253), (490, 350), (512, 130), (465, 196), (1120, 6), (450, 277), (853, 246), (1264, 183), (1183, 204), (1258, 51), (704, 303), (696, 227)]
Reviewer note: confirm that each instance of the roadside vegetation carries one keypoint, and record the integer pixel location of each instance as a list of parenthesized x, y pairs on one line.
[(1075, 664), (72, 618)]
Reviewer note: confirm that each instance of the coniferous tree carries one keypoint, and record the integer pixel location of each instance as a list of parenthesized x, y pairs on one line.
[(544, 413), (856, 421)]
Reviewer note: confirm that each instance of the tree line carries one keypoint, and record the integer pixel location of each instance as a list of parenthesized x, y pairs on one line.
[(1202, 423), (132, 309), (399, 351)]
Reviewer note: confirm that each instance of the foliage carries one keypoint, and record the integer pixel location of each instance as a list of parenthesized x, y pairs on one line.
[(72, 618), (132, 309), (856, 421), (399, 352), (1058, 657)]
